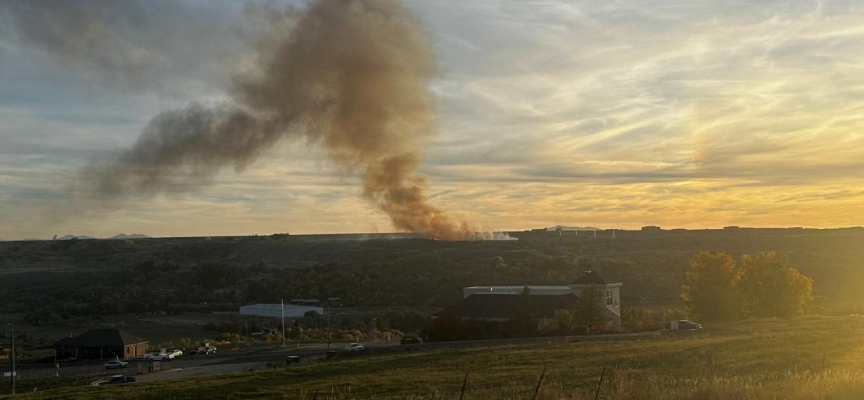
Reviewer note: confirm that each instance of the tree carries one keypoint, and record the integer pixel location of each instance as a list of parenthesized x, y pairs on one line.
[(711, 293), (773, 289), (525, 321), (590, 310), (562, 322)]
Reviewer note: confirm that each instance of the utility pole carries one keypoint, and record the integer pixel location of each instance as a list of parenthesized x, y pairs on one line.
[(329, 332), (12, 374), (283, 322)]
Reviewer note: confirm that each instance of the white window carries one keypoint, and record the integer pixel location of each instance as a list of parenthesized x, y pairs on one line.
[(608, 297)]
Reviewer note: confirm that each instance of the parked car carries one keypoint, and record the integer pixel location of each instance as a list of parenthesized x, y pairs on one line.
[(175, 353), (157, 356), (205, 348), (116, 364), (352, 347), (410, 340), (682, 324), (119, 379), (115, 379)]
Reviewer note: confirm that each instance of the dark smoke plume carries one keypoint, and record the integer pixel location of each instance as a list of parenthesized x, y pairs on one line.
[(350, 76)]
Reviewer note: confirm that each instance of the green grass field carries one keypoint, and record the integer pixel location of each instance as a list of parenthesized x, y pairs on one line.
[(753, 360)]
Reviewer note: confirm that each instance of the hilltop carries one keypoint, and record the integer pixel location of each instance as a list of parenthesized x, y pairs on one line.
[(220, 273)]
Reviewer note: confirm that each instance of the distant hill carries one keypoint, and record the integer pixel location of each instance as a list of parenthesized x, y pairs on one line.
[(132, 236), (70, 237)]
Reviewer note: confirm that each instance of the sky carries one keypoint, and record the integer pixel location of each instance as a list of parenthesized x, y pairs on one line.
[(616, 114)]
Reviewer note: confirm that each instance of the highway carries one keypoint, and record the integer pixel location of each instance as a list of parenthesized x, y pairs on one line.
[(240, 359)]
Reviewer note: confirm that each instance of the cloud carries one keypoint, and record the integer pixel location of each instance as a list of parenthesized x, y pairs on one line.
[(688, 114)]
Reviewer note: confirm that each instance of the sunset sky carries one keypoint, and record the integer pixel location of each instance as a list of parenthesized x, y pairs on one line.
[(619, 114)]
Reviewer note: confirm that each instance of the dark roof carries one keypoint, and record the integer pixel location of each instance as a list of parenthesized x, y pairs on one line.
[(507, 306), (101, 338), (591, 278)]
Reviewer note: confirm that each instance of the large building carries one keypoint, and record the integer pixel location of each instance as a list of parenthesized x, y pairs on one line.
[(275, 310), (473, 307), (101, 344)]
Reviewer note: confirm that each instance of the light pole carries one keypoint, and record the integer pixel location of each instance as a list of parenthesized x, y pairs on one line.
[(12, 374), (283, 323), (329, 331)]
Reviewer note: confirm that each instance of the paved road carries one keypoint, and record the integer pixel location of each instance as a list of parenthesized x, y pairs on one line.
[(226, 361), (245, 359)]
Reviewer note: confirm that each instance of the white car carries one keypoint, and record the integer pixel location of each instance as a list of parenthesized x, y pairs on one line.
[(354, 347), (175, 353), (116, 364), (158, 357)]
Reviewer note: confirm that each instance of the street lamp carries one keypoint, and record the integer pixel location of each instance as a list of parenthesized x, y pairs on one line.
[(12, 374)]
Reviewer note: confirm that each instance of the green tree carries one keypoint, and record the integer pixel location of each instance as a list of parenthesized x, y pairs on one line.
[(711, 293), (498, 262), (590, 310), (527, 325), (773, 289), (563, 322)]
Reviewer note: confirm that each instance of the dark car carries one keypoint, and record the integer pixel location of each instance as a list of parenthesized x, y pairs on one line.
[(682, 324), (410, 340), (114, 380)]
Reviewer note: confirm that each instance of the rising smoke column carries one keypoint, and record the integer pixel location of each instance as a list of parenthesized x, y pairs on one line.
[(350, 76)]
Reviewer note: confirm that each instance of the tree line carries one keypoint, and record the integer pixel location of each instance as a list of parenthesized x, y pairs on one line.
[(721, 289)]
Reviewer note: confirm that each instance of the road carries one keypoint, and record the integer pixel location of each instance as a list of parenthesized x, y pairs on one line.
[(242, 359), (225, 361)]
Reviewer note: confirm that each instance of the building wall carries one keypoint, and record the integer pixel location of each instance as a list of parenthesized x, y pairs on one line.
[(535, 290), (613, 311), (135, 350)]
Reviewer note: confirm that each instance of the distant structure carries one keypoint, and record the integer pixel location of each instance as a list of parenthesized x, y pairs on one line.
[(101, 344), (562, 228), (651, 228), (472, 307), (275, 310), (306, 302)]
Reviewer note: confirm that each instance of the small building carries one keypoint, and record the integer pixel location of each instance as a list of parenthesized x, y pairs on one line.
[(306, 302), (101, 344), (275, 310)]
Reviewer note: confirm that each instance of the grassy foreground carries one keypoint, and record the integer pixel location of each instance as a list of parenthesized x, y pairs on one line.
[(753, 360)]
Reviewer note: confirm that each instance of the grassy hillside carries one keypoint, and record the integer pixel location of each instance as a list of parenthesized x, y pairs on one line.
[(753, 360)]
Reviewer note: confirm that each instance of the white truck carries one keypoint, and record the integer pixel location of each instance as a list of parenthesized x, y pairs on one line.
[(158, 356)]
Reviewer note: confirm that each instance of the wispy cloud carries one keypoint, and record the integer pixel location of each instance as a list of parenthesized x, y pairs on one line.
[(701, 113)]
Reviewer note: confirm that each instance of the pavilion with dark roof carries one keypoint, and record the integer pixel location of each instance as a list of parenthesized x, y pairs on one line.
[(101, 344)]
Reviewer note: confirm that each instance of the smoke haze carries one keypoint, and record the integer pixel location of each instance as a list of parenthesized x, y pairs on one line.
[(348, 76)]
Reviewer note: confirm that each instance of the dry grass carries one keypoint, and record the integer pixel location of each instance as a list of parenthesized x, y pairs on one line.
[(755, 360)]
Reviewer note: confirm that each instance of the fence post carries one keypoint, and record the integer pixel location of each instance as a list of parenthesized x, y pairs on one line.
[(599, 384), (464, 385), (823, 362), (539, 381), (710, 362)]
